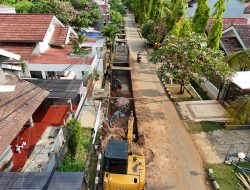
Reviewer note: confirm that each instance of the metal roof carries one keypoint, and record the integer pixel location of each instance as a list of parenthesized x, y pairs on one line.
[(59, 88), (37, 180)]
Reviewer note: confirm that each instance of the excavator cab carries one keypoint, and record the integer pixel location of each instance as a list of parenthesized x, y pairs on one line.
[(122, 171)]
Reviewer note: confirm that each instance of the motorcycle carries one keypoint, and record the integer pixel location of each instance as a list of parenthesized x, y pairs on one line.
[(139, 57)]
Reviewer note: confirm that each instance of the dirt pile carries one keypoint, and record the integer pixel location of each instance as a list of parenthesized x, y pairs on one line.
[(119, 132)]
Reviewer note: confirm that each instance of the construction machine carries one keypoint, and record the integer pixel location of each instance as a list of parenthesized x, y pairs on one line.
[(122, 169)]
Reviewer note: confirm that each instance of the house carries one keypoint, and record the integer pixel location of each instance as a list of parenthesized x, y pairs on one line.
[(7, 9), (16, 108), (104, 8), (44, 44), (235, 38)]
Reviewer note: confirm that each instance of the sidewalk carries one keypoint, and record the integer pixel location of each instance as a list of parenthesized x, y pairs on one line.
[(174, 162)]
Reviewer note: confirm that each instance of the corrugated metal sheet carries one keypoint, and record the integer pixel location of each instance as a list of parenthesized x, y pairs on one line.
[(63, 89), (37, 180)]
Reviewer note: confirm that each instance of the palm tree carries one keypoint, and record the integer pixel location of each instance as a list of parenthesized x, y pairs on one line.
[(239, 112), (239, 60), (110, 32)]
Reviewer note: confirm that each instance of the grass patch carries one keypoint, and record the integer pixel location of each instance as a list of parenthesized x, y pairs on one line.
[(77, 163), (225, 176), (204, 126), (92, 170), (178, 97)]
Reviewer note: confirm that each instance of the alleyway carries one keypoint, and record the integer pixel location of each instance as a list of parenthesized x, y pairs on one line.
[(174, 162)]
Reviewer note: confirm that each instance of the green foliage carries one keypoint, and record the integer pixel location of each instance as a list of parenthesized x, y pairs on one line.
[(23, 6), (201, 17), (80, 13), (204, 126), (110, 31), (182, 28), (239, 60), (154, 31), (116, 17), (117, 5), (188, 58), (239, 112), (74, 127), (76, 44), (77, 163), (64, 11), (225, 176), (23, 66), (216, 30)]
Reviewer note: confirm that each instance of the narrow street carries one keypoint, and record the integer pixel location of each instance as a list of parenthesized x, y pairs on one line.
[(174, 162)]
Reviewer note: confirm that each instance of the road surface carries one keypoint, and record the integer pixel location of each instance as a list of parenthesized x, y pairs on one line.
[(172, 161)]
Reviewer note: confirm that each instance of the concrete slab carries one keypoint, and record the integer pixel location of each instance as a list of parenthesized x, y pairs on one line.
[(206, 110), (39, 155), (215, 145)]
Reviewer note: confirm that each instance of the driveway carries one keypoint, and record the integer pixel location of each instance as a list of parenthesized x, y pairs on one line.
[(174, 162)]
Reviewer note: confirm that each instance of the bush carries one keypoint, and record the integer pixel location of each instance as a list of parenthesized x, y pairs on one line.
[(74, 129)]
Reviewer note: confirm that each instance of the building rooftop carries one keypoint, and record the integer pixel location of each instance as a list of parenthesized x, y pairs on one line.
[(231, 44), (59, 36), (24, 27), (60, 56), (242, 80), (23, 49), (227, 22), (16, 107), (59, 88), (37, 180), (244, 33)]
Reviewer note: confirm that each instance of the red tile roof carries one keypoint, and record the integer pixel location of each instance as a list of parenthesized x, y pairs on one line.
[(17, 107), (24, 27), (59, 56), (59, 36), (24, 50), (227, 22)]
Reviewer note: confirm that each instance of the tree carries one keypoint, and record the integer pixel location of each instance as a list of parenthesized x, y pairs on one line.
[(239, 60), (110, 32), (201, 17), (116, 17), (154, 31), (173, 12), (74, 130), (216, 30), (188, 58), (76, 44), (239, 112), (64, 11)]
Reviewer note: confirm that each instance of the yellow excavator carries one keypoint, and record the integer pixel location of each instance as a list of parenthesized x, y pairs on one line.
[(122, 169)]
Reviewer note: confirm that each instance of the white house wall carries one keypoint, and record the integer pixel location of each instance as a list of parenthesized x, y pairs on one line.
[(8, 10), (77, 68), (6, 156)]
